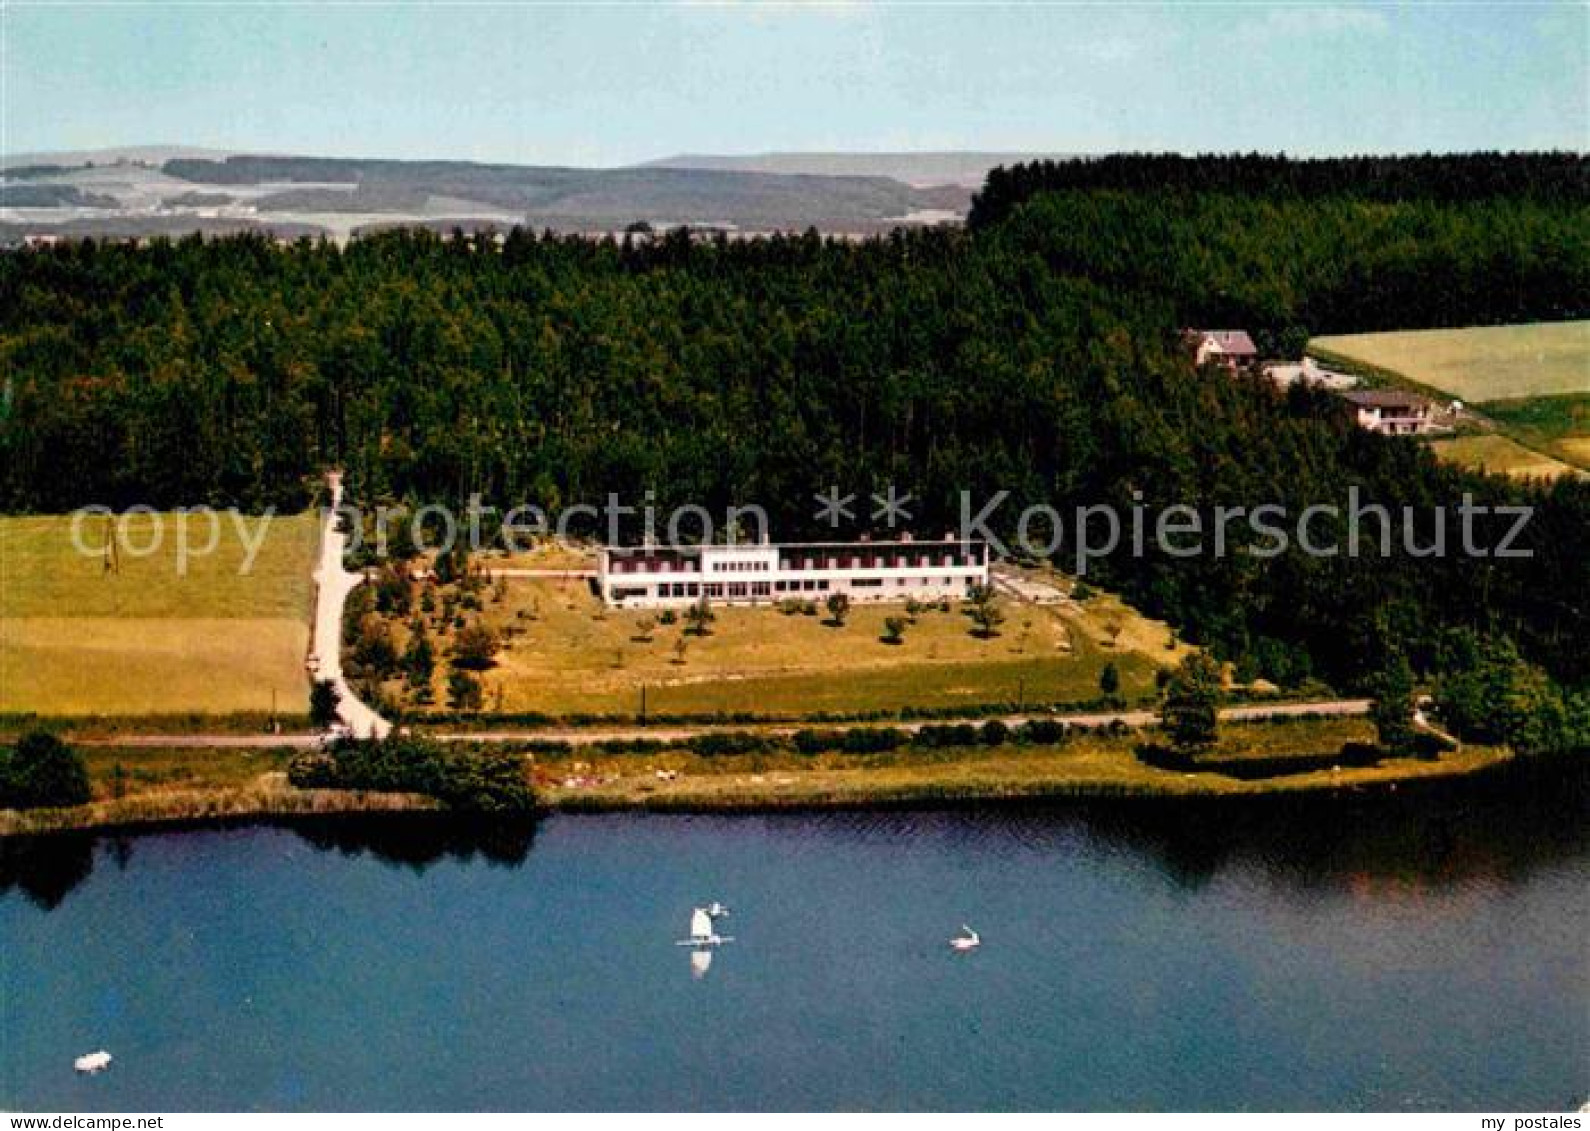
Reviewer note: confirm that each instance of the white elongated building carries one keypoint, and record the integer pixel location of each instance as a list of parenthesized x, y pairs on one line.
[(651, 576)]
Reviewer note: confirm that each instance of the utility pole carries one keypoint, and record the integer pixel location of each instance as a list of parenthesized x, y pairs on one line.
[(643, 704)]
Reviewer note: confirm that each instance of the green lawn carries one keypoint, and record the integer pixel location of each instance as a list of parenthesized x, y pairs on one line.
[(567, 654), (153, 636)]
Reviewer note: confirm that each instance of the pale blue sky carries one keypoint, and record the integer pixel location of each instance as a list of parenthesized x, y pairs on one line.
[(585, 84)]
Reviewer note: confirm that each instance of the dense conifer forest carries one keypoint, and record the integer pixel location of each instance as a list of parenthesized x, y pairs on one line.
[(1035, 352)]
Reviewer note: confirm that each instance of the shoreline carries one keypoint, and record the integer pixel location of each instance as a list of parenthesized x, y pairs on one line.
[(959, 783)]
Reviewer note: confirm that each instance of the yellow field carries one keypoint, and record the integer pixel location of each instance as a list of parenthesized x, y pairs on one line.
[(1498, 454), (575, 656), (148, 637), (1482, 363)]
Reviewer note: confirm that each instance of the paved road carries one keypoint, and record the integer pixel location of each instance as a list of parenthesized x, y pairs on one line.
[(333, 584), (588, 737)]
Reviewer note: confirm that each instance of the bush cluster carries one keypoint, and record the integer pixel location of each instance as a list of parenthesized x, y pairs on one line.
[(466, 778), (42, 772)]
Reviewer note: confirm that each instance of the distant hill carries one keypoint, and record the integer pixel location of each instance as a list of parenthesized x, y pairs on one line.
[(964, 168), (164, 189), (568, 197), (128, 154)]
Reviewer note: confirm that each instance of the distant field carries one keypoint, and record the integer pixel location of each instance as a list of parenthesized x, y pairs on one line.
[(1500, 455), (575, 656), (1484, 363), (76, 638), (1558, 425)]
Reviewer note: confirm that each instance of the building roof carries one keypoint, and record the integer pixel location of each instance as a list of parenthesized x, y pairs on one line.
[(1229, 341), (1386, 398)]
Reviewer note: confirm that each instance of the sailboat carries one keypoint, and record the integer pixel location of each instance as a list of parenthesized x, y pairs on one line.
[(702, 933), (967, 940), (700, 962)]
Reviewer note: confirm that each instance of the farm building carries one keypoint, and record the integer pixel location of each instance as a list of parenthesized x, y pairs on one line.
[(1392, 412), (767, 572), (1231, 349)]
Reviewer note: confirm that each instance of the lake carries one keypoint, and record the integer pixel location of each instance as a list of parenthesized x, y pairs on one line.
[(1392, 952)]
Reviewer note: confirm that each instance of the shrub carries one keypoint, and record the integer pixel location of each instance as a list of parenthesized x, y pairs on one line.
[(473, 779), (42, 772), (1041, 732), (995, 733)]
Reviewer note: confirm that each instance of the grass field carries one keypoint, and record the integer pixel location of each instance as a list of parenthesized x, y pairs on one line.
[(1502, 455), (146, 638), (567, 654), (1479, 364)]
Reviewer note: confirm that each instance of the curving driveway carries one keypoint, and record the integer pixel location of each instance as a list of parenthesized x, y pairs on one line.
[(333, 583)]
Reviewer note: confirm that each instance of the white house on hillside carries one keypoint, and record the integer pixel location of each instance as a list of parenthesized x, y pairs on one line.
[(1392, 412), (1233, 349), (646, 576)]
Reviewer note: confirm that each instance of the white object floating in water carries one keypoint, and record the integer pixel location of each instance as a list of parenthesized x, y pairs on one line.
[(716, 910), (702, 932), (92, 1062), (700, 962), (967, 940)]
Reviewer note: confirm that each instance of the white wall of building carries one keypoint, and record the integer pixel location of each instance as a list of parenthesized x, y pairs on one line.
[(763, 574)]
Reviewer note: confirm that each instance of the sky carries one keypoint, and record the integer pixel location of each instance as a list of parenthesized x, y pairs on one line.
[(589, 84)]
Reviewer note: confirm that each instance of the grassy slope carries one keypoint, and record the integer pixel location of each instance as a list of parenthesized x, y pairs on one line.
[(76, 639), (1500, 454), (575, 656), (1559, 425)]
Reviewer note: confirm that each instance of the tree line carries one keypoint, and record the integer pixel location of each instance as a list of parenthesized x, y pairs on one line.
[(1036, 353)]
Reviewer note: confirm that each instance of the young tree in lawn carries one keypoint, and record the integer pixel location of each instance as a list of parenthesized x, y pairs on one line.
[(982, 605), (1110, 683), (1190, 713), (838, 605), (699, 617), (463, 691), (475, 647), (419, 658), (894, 630)]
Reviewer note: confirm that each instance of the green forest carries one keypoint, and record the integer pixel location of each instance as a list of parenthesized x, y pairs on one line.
[(1035, 351)]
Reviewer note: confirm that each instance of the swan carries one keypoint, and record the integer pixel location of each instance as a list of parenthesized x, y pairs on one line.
[(967, 940), (92, 1062)]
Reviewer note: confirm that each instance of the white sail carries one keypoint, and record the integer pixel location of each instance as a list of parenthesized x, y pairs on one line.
[(700, 925)]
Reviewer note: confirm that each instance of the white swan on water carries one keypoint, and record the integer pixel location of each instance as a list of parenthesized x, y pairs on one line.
[(967, 940), (92, 1062)]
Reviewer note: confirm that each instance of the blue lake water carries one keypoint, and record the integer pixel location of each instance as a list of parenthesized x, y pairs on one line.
[(1395, 953)]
